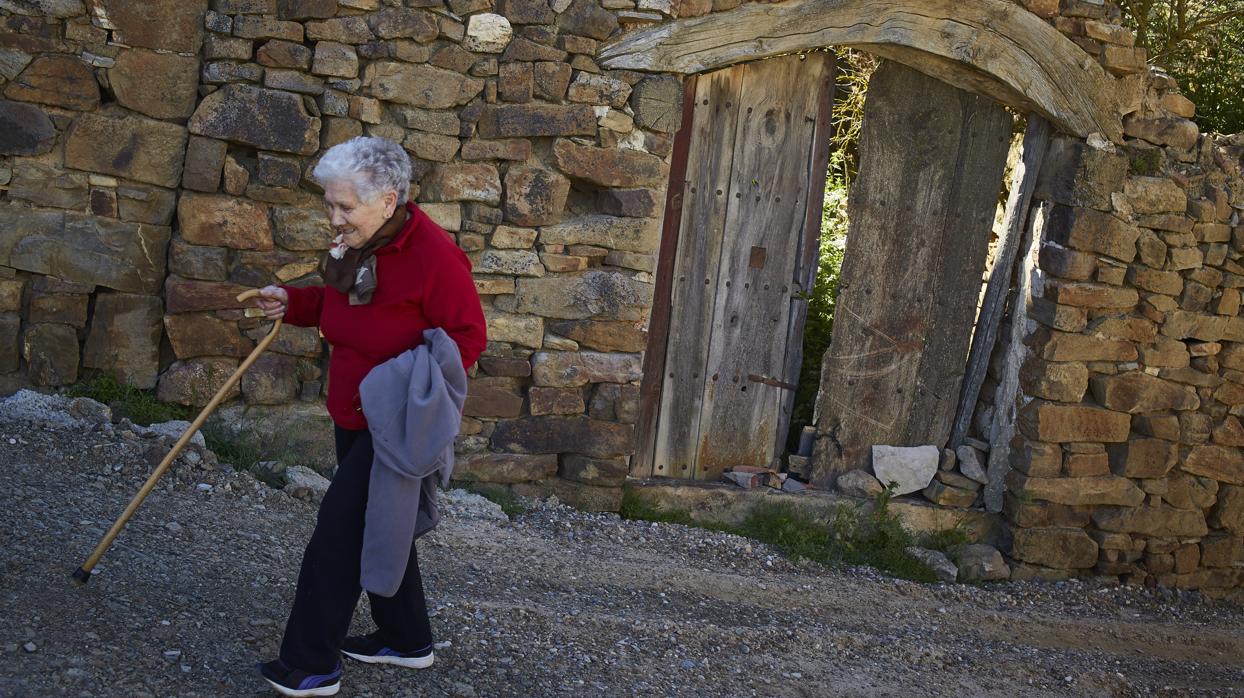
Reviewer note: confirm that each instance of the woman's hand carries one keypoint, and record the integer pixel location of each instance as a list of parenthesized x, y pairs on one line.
[(274, 301)]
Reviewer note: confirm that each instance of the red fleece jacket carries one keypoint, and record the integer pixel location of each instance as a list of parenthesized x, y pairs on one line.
[(423, 281)]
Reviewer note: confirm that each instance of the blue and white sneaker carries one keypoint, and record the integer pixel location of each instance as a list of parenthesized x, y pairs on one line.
[(289, 681), (370, 649)]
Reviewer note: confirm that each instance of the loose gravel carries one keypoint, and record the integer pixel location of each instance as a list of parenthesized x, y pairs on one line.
[(554, 603)]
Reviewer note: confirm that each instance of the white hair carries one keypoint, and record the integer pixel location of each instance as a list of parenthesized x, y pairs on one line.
[(374, 165)]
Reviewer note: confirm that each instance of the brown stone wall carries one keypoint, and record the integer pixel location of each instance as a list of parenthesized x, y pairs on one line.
[(154, 160)]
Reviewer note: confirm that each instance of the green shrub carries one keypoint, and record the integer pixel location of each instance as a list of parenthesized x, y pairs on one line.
[(139, 406)]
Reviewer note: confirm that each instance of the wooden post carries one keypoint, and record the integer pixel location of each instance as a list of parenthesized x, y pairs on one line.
[(1023, 182)]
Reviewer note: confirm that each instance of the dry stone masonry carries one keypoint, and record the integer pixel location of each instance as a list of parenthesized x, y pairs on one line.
[(154, 162)]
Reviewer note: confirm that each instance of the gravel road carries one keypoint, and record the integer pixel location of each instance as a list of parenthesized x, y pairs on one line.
[(555, 602)]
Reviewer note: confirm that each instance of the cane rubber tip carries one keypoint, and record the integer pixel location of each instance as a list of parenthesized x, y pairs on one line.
[(81, 576)]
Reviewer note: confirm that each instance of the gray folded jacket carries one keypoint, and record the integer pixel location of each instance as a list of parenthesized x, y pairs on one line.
[(413, 404)]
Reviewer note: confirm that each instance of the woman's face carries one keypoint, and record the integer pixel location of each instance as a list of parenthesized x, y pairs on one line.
[(352, 218)]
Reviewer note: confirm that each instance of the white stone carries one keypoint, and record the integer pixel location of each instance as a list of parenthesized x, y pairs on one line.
[(937, 561), (171, 429), (909, 468), (858, 483), (665, 7), (301, 480), (559, 6), (981, 563), (487, 33), (970, 465), (461, 504)]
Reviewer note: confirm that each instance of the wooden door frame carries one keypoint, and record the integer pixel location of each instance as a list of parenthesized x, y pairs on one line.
[(652, 385)]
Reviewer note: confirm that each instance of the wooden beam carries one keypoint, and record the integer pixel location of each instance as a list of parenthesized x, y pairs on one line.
[(1023, 182), (991, 47), (659, 322)]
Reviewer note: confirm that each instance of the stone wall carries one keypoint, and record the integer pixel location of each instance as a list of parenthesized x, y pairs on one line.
[(154, 162)]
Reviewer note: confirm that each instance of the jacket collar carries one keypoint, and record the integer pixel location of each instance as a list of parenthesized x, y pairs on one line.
[(415, 222)]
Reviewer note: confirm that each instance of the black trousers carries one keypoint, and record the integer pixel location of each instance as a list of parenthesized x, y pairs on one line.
[(328, 583)]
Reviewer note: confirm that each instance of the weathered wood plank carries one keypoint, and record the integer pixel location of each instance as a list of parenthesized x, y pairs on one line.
[(808, 259), (921, 211), (768, 200), (1006, 399), (695, 278), (984, 339), (993, 47), (659, 322)]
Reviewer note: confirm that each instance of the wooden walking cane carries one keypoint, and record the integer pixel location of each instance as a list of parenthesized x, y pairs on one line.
[(83, 574)]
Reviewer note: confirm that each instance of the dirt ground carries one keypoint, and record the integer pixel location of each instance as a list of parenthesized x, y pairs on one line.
[(555, 602)]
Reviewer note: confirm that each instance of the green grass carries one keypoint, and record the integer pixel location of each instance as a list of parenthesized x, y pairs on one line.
[(848, 535), (139, 406), (510, 503)]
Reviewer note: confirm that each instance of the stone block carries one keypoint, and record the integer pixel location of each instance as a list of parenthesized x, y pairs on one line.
[(284, 54), (574, 369), (51, 353), (25, 129), (1143, 458), (1059, 548), (421, 86), (504, 467), (556, 401), (203, 334), (616, 402), (1151, 521), (493, 397), (532, 120), (1077, 491), (270, 380), (608, 167), (597, 295), (603, 472), (59, 81), (259, 117), (170, 25), (586, 18), (534, 196), (599, 90), (1055, 423), (160, 85), (551, 80), (550, 434), (126, 145), (1221, 463), (487, 33), (224, 221), (1137, 392), (403, 23), (83, 248), (1228, 513), (463, 182), (1093, 231), (1062, 382)]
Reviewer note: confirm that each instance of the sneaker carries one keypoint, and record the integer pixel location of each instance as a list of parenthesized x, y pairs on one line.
[(289, 681), (369, 649)]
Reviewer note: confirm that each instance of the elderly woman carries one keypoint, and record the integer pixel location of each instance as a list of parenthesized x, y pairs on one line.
[(391, 275)]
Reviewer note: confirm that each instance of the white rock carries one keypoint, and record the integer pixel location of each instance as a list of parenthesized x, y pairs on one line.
[(559, 6), (487, 33), (858, 483), (302, 480), (909, 468), (970, 464), (30, 406), (981, 563), (172, 429), (665, 7), (459, 503), (940, 564)]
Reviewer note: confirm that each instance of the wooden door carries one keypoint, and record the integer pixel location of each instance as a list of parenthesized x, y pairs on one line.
[(756, 145), (931, 161)]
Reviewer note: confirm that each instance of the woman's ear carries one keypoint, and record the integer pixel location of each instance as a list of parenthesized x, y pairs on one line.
[(390, 203)]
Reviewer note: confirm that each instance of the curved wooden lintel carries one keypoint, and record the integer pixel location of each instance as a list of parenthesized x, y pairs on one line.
[(991, 47)]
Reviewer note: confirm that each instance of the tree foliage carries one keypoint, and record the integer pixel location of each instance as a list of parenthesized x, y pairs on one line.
[(1201, 44)]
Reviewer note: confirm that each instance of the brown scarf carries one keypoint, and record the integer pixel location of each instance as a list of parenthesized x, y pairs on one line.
[(355, 273)]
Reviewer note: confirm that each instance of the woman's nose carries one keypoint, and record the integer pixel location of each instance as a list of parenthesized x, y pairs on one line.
[(336, 219)]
